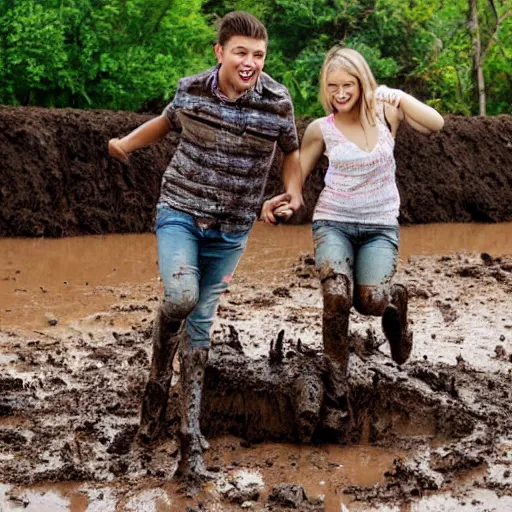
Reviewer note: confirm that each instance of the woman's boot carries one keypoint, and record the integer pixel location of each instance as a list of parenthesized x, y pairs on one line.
[(337, 303), (394, 324)]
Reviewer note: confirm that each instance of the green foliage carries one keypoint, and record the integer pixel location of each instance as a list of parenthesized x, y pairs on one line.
[(121, 54), (113, 54), (498, 69), (33, 51)]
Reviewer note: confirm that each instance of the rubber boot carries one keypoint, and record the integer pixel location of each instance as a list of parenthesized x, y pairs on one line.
[(337, 303), (336, 350), (192, 368), (394, 324), (166, 338)]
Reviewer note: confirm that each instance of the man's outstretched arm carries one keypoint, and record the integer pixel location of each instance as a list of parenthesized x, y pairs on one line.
[(145, 134)]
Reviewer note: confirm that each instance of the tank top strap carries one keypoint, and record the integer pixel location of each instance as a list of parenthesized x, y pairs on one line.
[(385, 128)]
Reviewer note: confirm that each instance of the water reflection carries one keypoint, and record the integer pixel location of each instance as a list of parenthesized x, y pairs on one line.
[(321, 470), (79, 276)]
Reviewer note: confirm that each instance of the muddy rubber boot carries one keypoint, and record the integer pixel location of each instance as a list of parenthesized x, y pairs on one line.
[(335, 412), (336, 351), (337, 303), (166, 338), (394, 324), (191, 467)]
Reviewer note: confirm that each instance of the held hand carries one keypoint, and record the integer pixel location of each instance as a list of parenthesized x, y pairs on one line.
[(296, 202), (387, 95), (283, 211), (116, 151), (277, 205)]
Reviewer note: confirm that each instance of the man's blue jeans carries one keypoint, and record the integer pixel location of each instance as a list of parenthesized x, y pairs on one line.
[(196, 265)]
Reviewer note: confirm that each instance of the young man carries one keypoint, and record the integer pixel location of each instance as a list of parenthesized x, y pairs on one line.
[(230, 118)]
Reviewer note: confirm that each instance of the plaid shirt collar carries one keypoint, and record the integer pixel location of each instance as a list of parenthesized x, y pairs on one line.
[(213, 83)]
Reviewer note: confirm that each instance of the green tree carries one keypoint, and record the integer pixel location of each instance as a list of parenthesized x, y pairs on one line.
[(120, 54), (99, 53), (479, 23), (33, 51)]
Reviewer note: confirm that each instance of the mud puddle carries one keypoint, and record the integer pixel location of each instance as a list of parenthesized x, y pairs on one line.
[(48, 280), (322, 471), (86, 498), (431, 435)]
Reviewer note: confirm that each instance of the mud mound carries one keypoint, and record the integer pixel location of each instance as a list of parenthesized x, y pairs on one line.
[(79, 420), (58, 180)]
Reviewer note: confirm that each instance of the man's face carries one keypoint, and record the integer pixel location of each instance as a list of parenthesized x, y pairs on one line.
[(242, 59)]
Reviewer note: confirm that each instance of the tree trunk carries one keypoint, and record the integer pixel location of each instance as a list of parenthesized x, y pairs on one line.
[(477, 55)]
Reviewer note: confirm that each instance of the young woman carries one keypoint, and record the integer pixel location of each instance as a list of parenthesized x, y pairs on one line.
[(355, 225)]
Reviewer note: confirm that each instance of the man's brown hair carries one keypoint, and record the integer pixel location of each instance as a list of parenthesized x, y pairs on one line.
[(240, 23)]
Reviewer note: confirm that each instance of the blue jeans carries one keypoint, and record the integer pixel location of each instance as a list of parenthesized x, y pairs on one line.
[(366, 254), (196, 264)]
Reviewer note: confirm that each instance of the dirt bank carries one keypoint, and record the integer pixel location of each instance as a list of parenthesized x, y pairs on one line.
[(58, 180), (70, 396)]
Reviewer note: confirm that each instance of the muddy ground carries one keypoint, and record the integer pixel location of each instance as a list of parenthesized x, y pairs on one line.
[(435, 433), (58, 180)]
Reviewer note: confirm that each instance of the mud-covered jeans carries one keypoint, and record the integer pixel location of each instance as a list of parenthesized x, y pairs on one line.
[(367, 254), (196, 265)]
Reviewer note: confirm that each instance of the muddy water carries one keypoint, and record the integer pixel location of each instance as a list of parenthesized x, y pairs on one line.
[(322, 471), (69, 278), (335, 468), (353, 465)]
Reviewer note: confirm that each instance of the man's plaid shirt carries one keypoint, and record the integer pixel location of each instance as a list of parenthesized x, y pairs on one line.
[(219, 170)]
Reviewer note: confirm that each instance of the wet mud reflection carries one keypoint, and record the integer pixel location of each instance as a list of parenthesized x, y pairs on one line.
[(62, 279)]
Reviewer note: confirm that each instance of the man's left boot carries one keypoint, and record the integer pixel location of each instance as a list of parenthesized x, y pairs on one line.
[(394, 324), (193, 361), (166, 338)]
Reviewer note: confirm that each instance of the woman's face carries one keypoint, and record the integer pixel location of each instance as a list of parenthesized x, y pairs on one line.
[(343, 90)]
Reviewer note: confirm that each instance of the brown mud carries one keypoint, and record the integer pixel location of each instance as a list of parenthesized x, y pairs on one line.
[(58, 180), (435, 430)]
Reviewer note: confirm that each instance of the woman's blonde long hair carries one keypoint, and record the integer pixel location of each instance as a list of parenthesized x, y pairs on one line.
[(355, 64)]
